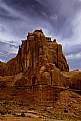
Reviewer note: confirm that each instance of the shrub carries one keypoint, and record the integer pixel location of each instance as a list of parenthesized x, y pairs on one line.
[(22, 114), (2, 112), (14, 114), (65, 111), (9, 112)]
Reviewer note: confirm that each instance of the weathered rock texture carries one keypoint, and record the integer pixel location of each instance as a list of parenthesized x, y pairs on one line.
[(2, 68), (73, 79), (39, 73), (35, 52)]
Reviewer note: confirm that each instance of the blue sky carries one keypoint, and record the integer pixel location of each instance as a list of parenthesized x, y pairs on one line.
[(60, 19)]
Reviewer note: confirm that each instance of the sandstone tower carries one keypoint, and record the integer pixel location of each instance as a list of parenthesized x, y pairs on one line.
[(38, 74), (36, 51)]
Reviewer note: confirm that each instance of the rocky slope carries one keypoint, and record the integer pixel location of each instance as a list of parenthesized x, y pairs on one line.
[(39, 75)]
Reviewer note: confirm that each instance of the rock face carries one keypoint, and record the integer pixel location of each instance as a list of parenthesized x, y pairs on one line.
[(39, 73), (73, 79), (35, 52), (2, 67)]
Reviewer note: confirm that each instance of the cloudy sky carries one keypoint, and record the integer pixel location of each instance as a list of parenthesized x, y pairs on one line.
[(60, 19)]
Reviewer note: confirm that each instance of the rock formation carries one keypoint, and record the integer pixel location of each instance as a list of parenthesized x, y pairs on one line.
[(35, 52), (2, 68), (73, 79), (39, 73)]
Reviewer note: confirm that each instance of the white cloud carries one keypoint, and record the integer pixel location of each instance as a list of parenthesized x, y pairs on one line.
[(9, 49), (76, 56), (56, 21), (11, 11), (2, 60), (75, 39), (7, 37)]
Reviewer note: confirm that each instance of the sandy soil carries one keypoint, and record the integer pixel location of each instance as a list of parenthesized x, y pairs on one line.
[(12, 118)]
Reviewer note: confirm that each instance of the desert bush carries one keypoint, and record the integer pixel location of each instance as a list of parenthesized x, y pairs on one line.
[(22, 114), (14, 114), (65, 111), (2, 112), (9, 112)]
